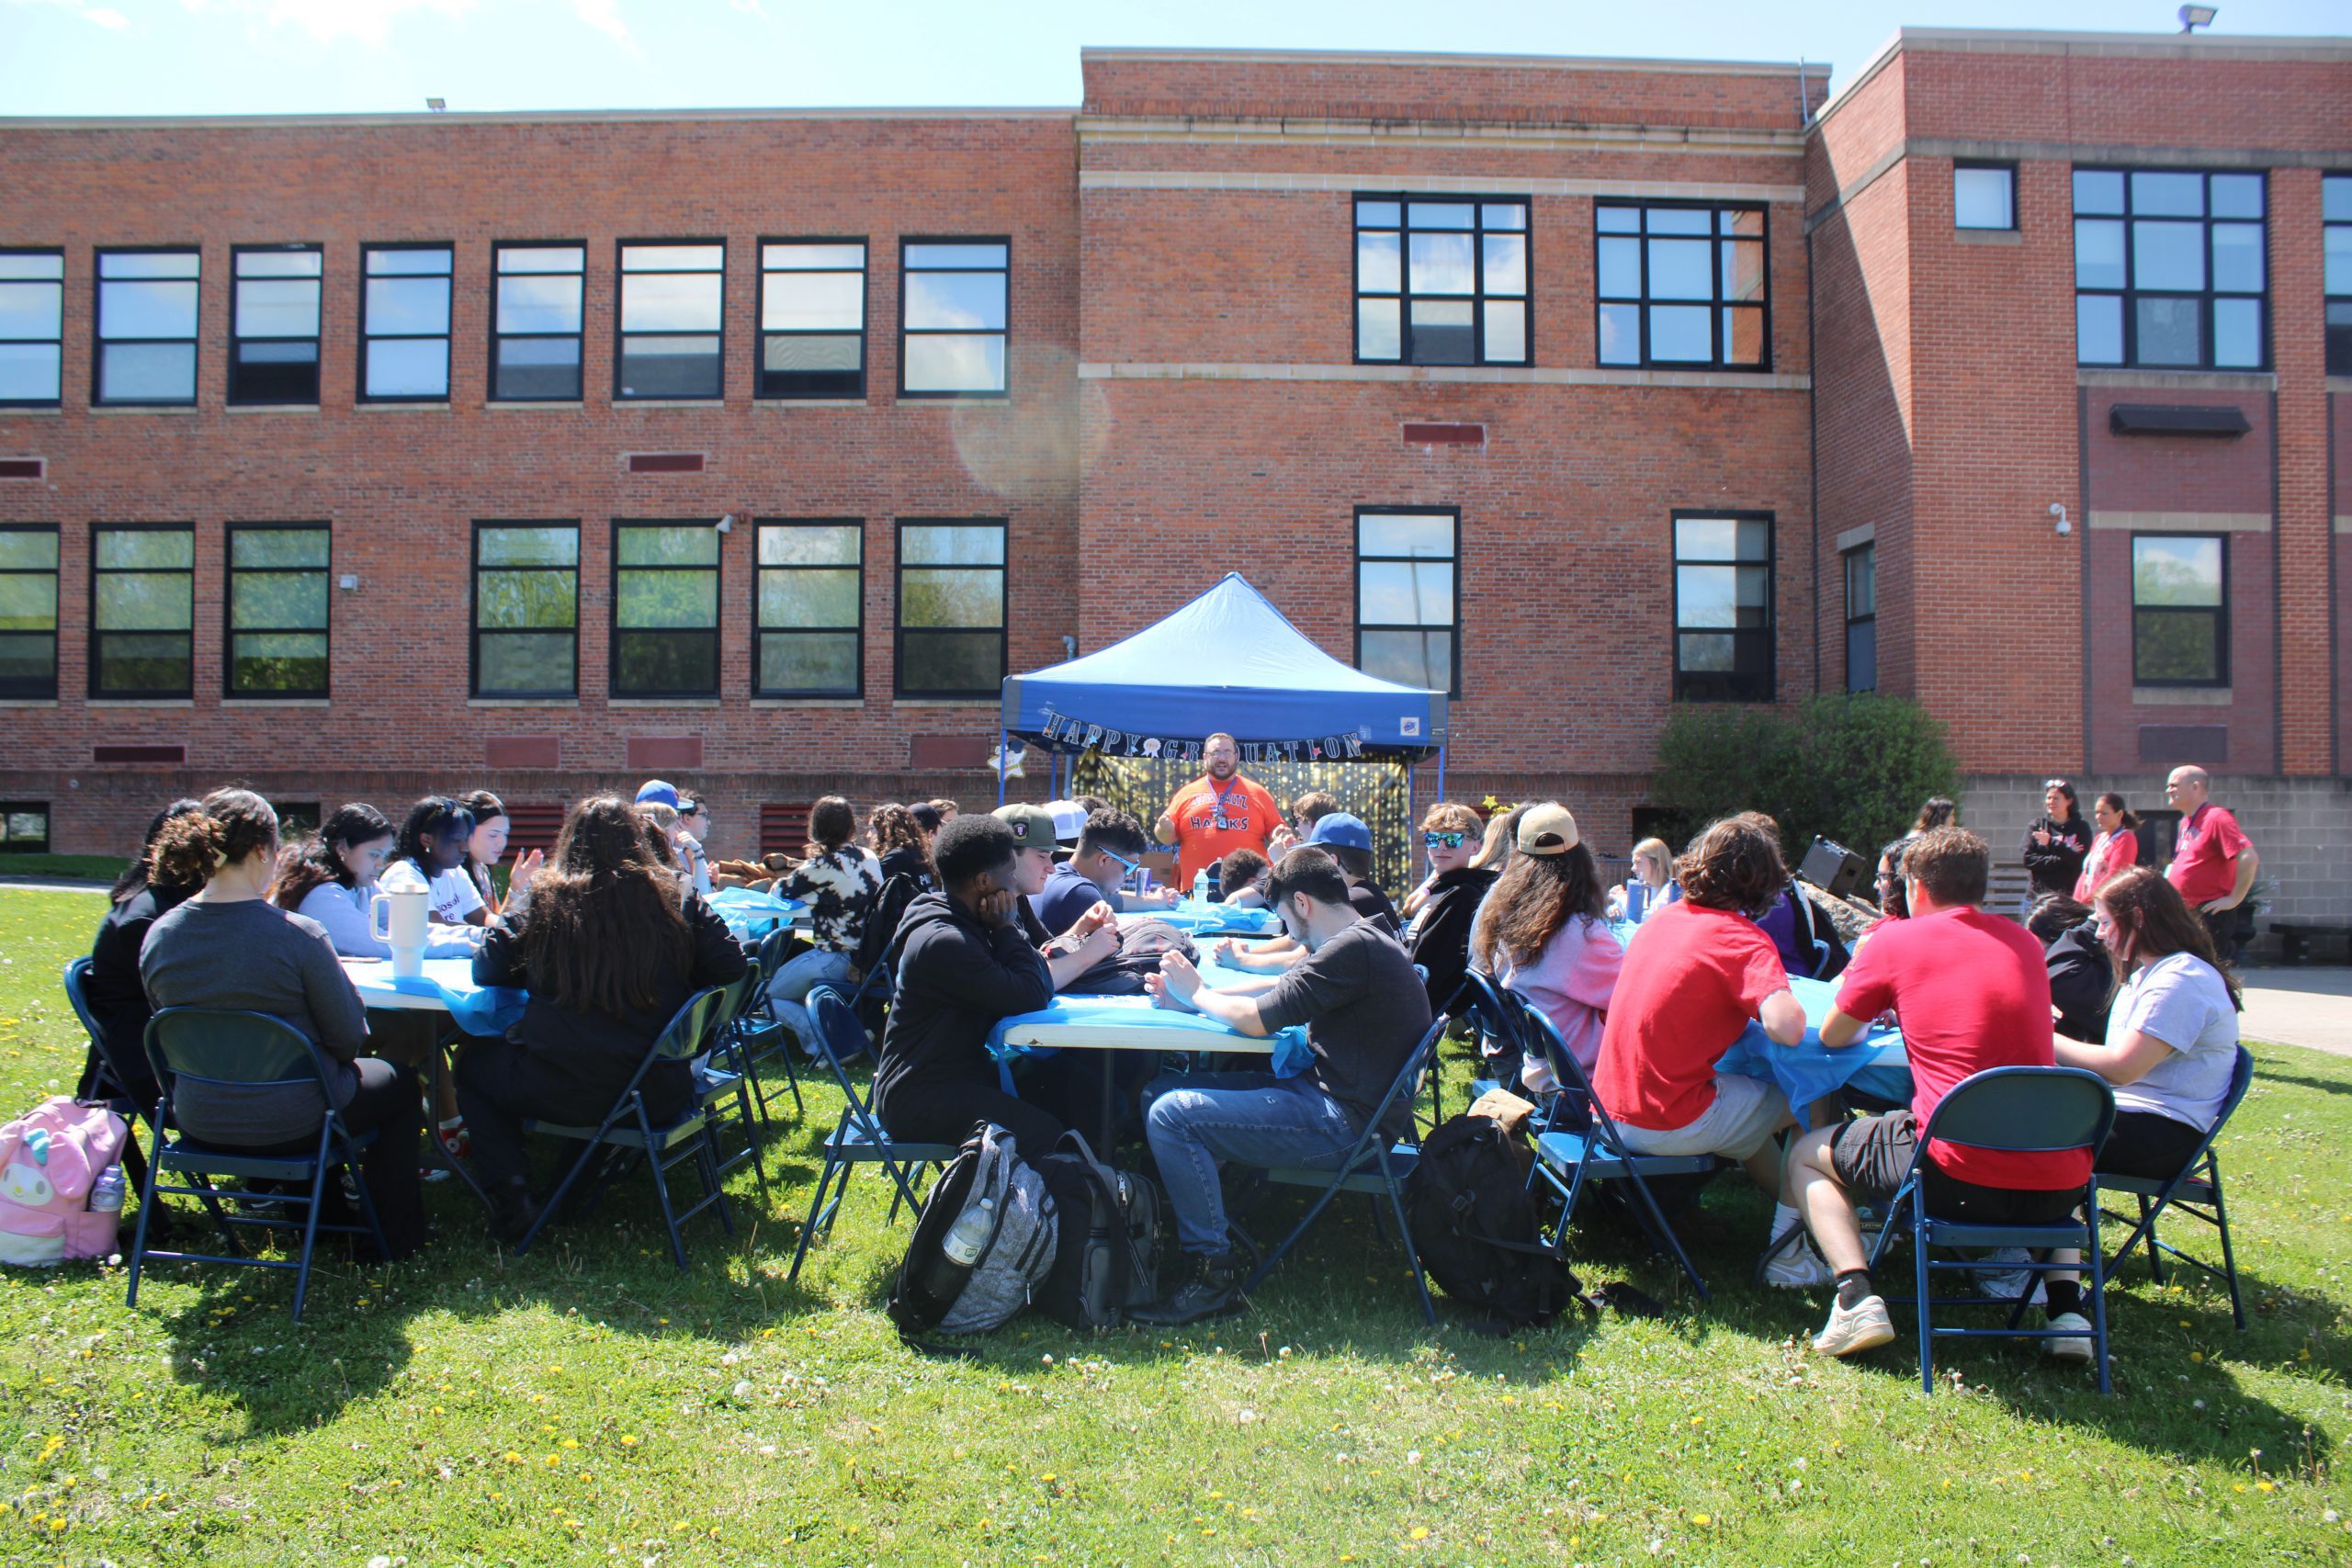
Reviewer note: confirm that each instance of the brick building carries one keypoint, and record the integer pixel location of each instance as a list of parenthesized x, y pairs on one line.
[(1584, 387)]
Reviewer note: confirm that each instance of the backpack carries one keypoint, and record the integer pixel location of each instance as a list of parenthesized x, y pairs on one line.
[(934, 1293), (1108, 1259), (1474, 1226), (50, 1159)]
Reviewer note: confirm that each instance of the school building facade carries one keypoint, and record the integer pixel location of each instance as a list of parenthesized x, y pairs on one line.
[(356, 457)]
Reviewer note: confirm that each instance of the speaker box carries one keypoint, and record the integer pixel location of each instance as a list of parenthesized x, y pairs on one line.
[(1835, 869)]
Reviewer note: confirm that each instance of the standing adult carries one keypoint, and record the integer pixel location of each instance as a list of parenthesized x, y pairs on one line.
[(2213, 863), (2056, 843), (1221, 810), (2114, 849)]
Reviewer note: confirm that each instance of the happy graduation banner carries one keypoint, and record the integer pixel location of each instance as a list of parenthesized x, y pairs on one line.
[(1080, 734)]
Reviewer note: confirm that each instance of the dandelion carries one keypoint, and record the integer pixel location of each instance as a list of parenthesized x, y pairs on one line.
[(1701, 1521), (514, 1458), (1419, 1532)]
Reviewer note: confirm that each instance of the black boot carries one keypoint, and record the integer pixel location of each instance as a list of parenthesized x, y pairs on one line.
[(513, 1210), (1210, 1286)]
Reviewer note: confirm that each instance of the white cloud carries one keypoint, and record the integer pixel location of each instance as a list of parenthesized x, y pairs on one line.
[(106, 16), (605, 16)]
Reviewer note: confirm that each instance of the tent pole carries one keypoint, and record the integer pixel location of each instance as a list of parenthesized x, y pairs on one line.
[(1441, 772), (1002, 740)]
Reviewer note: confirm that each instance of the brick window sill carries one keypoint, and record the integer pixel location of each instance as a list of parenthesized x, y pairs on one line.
[(2184, 696)]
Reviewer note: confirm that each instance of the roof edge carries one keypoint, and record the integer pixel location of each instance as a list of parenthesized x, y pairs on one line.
[(505, 117), (1514, 62)]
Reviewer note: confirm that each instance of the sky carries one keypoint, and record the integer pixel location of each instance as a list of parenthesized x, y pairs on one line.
[(178, 57)]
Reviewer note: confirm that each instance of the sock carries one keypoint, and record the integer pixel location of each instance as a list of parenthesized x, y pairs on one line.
[(1852, 1286), (2065, 1295), (1782, 1218)]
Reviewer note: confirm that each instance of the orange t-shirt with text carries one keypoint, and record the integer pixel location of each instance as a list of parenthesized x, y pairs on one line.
[(1250, 813)]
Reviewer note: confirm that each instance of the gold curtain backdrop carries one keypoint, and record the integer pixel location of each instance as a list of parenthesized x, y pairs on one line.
[(1142, 786)]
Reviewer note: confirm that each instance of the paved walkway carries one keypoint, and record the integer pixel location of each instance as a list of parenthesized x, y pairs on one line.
[(35, 886), (2300, 1006)]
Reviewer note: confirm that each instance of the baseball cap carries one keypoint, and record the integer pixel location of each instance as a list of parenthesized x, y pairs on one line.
[(655, 790), (1070, 820), (1033, 826), (1341, 829), (1546, 829)]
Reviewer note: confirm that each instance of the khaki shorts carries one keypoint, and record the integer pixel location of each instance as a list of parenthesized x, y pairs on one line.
[(1746, 1114)]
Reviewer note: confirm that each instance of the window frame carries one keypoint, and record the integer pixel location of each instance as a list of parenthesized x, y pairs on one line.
[(621, 336), (1355, 544), (907, 242), (2220, 614), (231, 631), (2006, 166), (8, 808), (1405, 295), (490, 388), (1769, 565), (1716, 303), (759, 333), (99, 341), (55, 574), (56, 253), (473, 609), (447, 336), (898, 687), (236, 313), (2334, 299), (95, 655), (2129, 294), (717, 568), (1846, 559), (759, 630)]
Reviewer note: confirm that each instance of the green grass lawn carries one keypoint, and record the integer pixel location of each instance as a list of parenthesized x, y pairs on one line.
[(66, 868), (588, 1403)]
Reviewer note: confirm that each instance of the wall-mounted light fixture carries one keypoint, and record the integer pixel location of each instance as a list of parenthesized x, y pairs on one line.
[(2058, 510)]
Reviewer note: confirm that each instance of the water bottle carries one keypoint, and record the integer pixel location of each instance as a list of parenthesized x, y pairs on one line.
[(106, 1193), (1216, 883), (1201, 886), (1637, 900), (970, 1233)]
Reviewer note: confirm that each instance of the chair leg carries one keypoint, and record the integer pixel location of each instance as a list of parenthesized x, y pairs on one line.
[(554, 1204), (1654, 1218), (808, 1228), (319, 1164), (367, 1203), (792, 1078), (751, 1134), (2098, 1286), (1926, 1319), (2229, 1256), (1266, 1266), (1412, 1254), (2148, 1230), (139, 1237), (668, 1215)]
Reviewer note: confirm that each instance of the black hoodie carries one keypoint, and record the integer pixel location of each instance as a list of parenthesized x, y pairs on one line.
[(2054, 866), (1439, 936), (956, 979)]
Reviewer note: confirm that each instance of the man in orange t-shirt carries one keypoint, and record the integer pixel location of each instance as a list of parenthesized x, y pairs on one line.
[(1216, 813)]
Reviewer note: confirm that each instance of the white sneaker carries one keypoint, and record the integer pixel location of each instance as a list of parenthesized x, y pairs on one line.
[(1797, 1266), (2004, 1287), (2077, 1346), (1851, 1330)]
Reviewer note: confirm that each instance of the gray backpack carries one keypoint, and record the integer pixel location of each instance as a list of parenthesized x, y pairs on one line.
[(988, 1205)]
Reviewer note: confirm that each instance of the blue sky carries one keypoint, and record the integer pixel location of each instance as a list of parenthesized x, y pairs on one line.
[(118, 57)]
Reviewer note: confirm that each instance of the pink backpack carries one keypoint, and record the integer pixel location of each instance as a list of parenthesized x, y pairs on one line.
[(49, 1158)]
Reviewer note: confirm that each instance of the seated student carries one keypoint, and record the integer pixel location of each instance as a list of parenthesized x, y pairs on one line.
[(1701, 971), (838, 881), (227, 946), (1502, 837), (901, 845), (1541, 934), (1808, 944), (694, 825), (1651, 884), (1110, 845), (487, 846), (660, 799), (609, 947), (1344, 836), (1304, 812), (1439, 912), (1971, 992), (964, 963), (116, 999), (928, 818), (431, 852), (1092, 937), (2082, 976), (1241, 876), (1364, 1011)]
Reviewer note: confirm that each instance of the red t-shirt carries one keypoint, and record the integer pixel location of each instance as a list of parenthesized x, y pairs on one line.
[(1972, 991), (1690, 983), (1250, 817), (2205, 856)]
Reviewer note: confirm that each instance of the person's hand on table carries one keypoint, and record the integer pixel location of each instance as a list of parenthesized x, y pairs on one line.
[(1094, 920), (995, 909), (1098, 944), (1176, 984)]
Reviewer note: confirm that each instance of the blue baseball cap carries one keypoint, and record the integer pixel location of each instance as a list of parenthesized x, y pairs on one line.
[(1343, 829), (656, 792)]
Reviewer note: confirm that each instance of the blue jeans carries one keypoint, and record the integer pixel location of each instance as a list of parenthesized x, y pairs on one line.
[(1193, 1122), (800, 976)]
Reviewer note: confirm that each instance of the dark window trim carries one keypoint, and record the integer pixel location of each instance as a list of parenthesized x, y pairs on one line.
[(759, 631), (906, 240), (95, 655), (759, 333), (2008, 167), (1845, 582), (48, 827), (57, 252), (1772, 565), (56, 616), (620, 337), (1717, 304), (489, 385), (230, 630), (473, 604), (716, 569), (2131, 293), (447, 337), (2339, 365), (898, 602), (1355, 543), (2220, 612), (317, 340), (1405, 298), (98, 339)]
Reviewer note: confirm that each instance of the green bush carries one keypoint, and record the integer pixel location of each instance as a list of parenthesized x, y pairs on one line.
[(1853, 768)]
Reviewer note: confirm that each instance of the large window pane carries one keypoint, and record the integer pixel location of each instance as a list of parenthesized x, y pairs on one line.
[(1983, 197), (404, 323), (953, 314), (142, 602), (1406, 606), (526, 596), (2159, 281), (536, 316), (672, 307), (146, 326), (1724, 613), (2336, 208), (1449, 289), (951, 608), (28, 612), (665, 609), (809, 608), (1423, 658), (955, 363), (32, 325), (1681, 286), (2166, 330), (2179, 609)]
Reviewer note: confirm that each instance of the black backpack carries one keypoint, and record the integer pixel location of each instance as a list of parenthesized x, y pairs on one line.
[(1474, 1226), (1107, 1260)]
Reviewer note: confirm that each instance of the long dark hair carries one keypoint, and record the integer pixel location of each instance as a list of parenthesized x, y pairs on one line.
[(2129, 820), (606, 925), (140, 872), (226, 827), (315, 862), (2149, 913), (482, 806), (1536, 896), (1894, 899), (2066, 789), (895, 828), (1937, 812), (437, 814)]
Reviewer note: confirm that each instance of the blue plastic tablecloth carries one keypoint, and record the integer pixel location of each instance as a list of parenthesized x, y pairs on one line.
[(1219, 919), (748, 912), (477, 1010), (1804, 1072), (1184, 1031)]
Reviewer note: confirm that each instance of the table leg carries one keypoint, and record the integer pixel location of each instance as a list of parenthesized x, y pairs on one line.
[(439, 1151)]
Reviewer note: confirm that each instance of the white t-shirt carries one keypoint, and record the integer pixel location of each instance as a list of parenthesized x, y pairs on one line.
[(2183, 1001)]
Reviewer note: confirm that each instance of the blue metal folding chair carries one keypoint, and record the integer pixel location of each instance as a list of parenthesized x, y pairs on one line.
[(1372, 1166), (2015, 1111), (859, 1139), (761, 1034), (722, 1080), (244, 1050), (2196, 1189), (110, 1083), (627, 1134), (1478, 1002)]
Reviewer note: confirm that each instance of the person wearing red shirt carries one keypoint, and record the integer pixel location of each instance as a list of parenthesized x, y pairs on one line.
[(1971, 992), (1217, 813), (2213, 863)]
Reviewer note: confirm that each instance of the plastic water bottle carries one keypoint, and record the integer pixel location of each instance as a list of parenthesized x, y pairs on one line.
[(1201, 886), (106, 1193), (970, 1233), (1637, 900)]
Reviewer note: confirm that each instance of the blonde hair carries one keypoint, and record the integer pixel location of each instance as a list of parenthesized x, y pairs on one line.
[(1656, 850), (660, 813), (1446, 817)]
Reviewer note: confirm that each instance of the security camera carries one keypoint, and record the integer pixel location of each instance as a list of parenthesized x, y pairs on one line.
[(2058, 510), (727, 523)]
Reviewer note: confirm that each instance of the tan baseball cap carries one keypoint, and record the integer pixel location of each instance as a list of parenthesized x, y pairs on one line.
[(1546, 829), (1033, 826)]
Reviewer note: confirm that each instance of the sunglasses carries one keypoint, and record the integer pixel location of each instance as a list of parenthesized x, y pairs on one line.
[(1445, 840), (1133, 866)]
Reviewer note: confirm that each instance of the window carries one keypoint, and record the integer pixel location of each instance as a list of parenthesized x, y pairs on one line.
[(24, 827), (2335, 209), (526, 609), (951, 608), (143, 609), (2169, 269), (1405, 603), (274, 324), (1683, 286), (276, 610), (1862, 619), (665, 609), (295, 818), (812, 319), (28, 610), (32, 326), (673, 321), (146, 327), (1441, 282), (1985, 195), (534, 326), (2180, 621), (808, 609), (952, 318), (404, 323), (1723, 607)]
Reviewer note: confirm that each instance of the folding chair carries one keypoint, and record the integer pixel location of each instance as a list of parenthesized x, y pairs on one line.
[(110, 1083), (760, 1035), (1478, 1002), (2015, 1111), (1578, 1143), (721, 1077), (859, 1138), (627, 1134), (2195, 1190), (246, 1050), (1371, 1166)]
